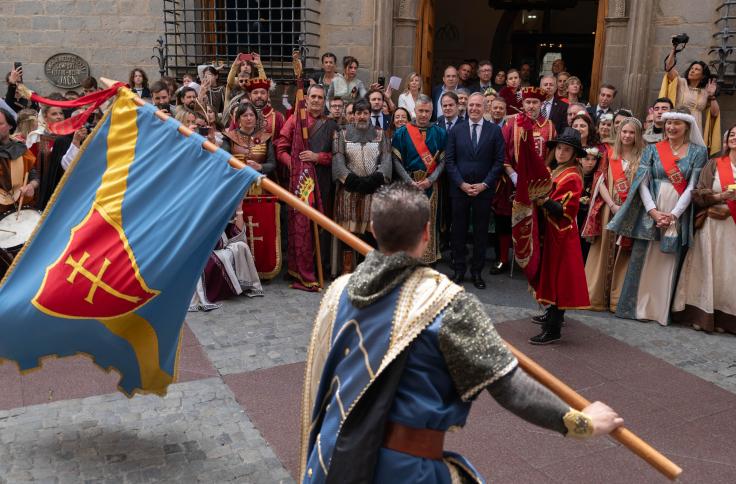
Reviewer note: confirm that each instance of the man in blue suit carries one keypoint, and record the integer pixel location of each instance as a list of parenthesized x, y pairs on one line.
[(474, 159), (449, 83)]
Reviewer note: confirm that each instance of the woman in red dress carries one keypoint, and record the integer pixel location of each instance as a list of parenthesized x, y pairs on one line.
[(561, 284)]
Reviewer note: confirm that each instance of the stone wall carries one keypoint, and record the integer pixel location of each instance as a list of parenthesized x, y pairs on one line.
[(348, 28), (638, 38), (111, 35), (697, 19)]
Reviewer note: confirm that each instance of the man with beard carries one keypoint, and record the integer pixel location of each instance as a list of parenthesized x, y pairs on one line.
[(310, 178), (160, 96), (543, 130), (361, 164), (258, 90), (419, 158), (377, 100), (16, 161), (187, 97)]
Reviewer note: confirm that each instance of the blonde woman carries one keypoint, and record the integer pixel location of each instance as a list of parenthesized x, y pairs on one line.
[(608, 258), (27, 122), (412, 92), (660, 218), (574, 89)]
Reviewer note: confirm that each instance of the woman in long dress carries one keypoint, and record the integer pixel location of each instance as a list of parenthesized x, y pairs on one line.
[(705, 294), (231, 269), (659, 218), (608, 257), (696, 90)]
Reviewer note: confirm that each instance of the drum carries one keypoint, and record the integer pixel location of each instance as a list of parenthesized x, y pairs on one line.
[(16, 228)]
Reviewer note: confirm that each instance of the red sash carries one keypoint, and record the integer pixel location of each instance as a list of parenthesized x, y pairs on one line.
[(669, 162), (424, 154), (620, 183), (725, 175)]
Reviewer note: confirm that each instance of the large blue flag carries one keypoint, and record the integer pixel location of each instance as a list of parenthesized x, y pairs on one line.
[(112, 266)]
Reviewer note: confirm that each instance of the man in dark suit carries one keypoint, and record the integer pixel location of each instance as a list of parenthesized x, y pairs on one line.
[(474, 159), (606, 95), (378, 118), (450, 111), (553, 108), (449, 83)]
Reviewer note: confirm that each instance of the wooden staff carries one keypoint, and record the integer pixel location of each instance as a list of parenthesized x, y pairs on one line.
[(570, 396), (20, 201)]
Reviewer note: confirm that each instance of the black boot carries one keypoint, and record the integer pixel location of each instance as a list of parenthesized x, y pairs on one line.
[(544, 317), (551, 328)]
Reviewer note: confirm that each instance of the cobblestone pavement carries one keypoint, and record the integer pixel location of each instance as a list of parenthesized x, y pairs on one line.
[(197, 433)]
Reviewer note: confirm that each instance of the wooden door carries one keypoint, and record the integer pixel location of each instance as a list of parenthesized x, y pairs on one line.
[(424, 45), (598, 51)]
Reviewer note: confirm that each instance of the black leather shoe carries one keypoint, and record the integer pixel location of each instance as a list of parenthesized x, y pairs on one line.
[(544, 318), (546, 337), (498, 268), (479, 282), (458, 277)]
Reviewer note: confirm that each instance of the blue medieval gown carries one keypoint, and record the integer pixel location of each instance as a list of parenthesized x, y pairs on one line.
[(651, 277)]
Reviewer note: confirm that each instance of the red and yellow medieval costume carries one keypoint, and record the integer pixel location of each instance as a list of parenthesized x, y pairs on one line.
[(561, 280)]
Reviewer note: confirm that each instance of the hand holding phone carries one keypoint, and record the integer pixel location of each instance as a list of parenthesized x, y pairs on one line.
[(242, 57)]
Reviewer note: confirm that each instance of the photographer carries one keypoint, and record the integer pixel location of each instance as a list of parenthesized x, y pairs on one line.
[(161, 98), (696, 90)]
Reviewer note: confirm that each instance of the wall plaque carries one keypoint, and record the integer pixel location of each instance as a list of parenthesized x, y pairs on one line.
[(66, 71)]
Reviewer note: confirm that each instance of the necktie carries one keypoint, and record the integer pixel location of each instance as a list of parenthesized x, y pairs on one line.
[(598, 114), (474, 137), (376, 122), (547, 106), (449, 125)]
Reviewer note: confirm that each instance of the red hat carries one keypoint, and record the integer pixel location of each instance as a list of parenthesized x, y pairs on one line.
[(257, 83), (533, 93)]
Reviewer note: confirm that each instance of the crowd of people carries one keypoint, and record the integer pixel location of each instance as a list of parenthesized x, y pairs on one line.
[(638, 219)]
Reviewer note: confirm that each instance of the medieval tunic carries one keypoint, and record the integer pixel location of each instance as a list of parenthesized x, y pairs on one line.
[(561, 279), (409, 167), (543, 131), (608, 258), (651, 276), (362, 158), (397, 342), (318, 191), (705, 292), (15, 161)]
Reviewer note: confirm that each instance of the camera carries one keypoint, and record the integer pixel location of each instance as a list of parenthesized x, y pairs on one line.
[(680, 39)]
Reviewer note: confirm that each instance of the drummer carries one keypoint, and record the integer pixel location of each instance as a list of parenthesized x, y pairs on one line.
[(18, 177)]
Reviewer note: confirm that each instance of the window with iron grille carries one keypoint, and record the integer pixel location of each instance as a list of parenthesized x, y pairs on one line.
[(215, 31)]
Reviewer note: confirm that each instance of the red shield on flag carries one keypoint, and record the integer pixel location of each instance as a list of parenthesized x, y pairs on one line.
[(96, 276), (262, 225)]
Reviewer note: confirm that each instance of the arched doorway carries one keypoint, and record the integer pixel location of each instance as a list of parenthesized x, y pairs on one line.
[(510, 33)]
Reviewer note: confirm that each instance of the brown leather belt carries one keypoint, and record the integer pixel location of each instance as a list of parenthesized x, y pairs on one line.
[(426, 443)]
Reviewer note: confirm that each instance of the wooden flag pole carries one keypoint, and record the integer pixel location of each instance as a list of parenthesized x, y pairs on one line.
[(570, 396)]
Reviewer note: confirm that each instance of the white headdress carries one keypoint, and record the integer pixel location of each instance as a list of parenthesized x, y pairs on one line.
[(695, 136)]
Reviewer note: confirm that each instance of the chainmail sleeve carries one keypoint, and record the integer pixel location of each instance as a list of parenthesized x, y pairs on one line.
[(386, 163), (475, 354), (477, 359), (340, 170), (526, 398)]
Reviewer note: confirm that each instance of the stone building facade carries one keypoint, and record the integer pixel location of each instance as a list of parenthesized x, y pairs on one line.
[(389, 37)]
